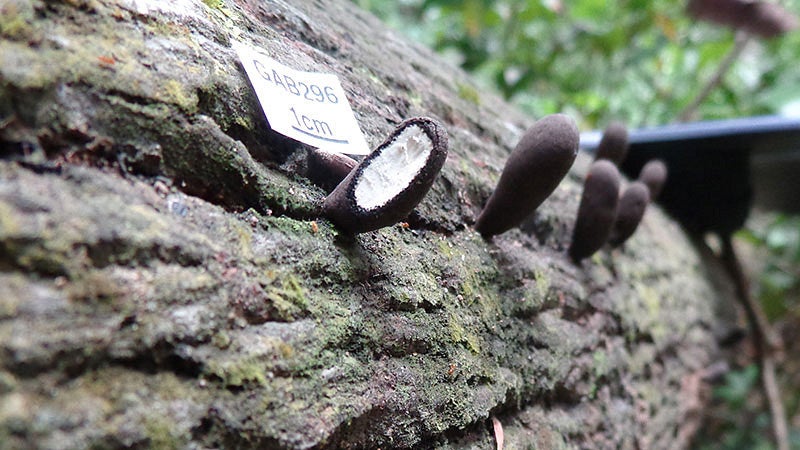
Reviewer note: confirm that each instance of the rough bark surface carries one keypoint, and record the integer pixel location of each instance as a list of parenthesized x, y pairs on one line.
[(166, 282)]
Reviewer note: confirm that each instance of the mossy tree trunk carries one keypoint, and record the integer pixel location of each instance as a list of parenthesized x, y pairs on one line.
[(166, 280)]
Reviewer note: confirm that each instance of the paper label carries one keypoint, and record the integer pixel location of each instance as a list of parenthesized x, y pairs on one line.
[(310, 107)]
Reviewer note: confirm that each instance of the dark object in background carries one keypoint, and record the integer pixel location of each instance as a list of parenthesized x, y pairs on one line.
[(715, 167), (597, 210), (534, 169), (761, 18)]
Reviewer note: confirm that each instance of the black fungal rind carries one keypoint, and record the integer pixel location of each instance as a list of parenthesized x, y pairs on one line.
[(597, 211), (613, 145), (327, 170), (534, 169), (654, 175), (342, 206), (632, 205)]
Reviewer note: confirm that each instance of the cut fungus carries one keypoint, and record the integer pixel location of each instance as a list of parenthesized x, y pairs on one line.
[(597, 210), (632, 205), (613, 145), (386, 186), (654, 175), (534, 169)]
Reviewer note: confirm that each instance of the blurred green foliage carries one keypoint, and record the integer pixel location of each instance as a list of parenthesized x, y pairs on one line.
[(739, 425), (778, 286), (633, 60), (743, 421)]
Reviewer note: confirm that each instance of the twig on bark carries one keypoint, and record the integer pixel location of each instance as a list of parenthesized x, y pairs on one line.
[(766, 341)]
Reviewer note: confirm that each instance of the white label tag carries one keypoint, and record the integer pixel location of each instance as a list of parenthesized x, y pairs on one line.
[(307, 106)]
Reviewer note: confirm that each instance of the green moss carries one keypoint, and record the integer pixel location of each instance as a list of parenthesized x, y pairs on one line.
[(283, 194), (288, 224), (600, 363), (409, 290), (15, 20), (142, 116), (35, 258), (221, 340), (159, 433), (469, 93), (14, 27), (286, 350), (216, 4), (642, 311), (479, 289), (597, 258), (460, 335), (288, 296), (243, 372), (542, 284), (651, 301), (8, 223), (244, 235), (175, 92), (414, 98), (244, 122), (445, 248), (8, 382)]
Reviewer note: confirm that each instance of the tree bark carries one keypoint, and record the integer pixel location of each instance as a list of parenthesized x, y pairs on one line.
[(166, 280)]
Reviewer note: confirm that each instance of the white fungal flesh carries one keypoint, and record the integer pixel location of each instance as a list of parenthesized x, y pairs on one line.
[(394, 169)]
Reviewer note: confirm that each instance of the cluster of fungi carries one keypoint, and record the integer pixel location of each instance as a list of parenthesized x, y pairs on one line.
[(607, 213), (543, 157), (384, 188)]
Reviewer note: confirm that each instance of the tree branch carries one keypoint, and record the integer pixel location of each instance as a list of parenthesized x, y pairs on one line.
[(766, 341), (690, 111)]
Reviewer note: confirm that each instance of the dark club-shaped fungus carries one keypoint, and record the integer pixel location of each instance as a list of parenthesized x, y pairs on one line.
[(597, 210), (613, 145), (654, 175), (534, 169), (327, 170), (632, 205), (391, 180)]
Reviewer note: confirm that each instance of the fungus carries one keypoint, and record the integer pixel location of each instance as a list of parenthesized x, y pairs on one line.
[(597, 210), (763, 19), (632, 205), (386, 186), (771, 20), (327, 170), (534, 169), (613, 145), (654, 175)]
